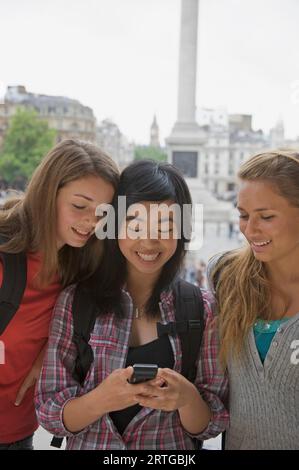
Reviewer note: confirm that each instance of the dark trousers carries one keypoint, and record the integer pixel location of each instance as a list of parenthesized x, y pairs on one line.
[(24, 444)]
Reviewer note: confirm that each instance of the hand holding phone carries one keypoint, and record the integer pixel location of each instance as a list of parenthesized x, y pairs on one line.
[(143, 373)]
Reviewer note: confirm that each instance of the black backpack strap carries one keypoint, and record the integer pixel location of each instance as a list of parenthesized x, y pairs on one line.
[(56, 442), (223, 437), (13, 285), (189, 324), (189, 308), (84, 316)]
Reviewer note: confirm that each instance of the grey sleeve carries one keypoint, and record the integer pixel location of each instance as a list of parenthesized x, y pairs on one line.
[(211, 265)]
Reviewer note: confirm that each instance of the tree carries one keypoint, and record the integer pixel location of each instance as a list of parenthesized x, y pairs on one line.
[(27, 140), (143, 152)]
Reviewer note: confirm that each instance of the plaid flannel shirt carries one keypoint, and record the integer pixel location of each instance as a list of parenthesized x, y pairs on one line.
[(149, 429)]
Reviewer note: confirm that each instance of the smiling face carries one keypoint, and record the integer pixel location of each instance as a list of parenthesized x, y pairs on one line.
[(76, 204), (268, 221), (148, 240)]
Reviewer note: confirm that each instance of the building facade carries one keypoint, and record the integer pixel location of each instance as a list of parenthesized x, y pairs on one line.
[(229, 141), (68, 117), (114, 143)]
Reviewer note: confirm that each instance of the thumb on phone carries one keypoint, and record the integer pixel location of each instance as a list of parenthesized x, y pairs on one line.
[(128, 371)]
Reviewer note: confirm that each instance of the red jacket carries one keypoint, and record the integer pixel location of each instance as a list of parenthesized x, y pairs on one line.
[(21, 342)]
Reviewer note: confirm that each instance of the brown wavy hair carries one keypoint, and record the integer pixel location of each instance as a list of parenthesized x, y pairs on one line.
[(29, 221), (241, 282)]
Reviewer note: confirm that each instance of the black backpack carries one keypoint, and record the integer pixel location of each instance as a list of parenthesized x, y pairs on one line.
[(189, 326), (13, 284)]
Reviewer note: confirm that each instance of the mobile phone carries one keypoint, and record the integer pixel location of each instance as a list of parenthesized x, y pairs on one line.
[(143, 372)]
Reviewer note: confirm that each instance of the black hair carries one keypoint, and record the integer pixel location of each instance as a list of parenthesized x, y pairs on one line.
[(143, 180)]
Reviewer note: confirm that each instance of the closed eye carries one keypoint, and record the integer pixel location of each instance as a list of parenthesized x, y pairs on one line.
[(78, 207), (269, 217)]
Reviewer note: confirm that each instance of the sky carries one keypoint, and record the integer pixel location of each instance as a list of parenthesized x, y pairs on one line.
[(120, 57)]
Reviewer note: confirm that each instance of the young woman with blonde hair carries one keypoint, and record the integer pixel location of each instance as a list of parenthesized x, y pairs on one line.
[(52, 226), (258, 300)]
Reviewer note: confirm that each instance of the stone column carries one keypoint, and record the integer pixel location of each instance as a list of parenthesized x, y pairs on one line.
[(187, 62), (186, 139)]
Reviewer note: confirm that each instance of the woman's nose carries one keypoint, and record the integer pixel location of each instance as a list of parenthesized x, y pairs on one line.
[(148, 241), (91, 219), (251, 228)]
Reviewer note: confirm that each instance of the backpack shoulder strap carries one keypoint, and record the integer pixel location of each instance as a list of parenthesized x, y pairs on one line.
[(189, 309), (13, 284), (84, 316)]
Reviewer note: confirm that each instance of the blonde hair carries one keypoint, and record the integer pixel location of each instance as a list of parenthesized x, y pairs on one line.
[(29, 222), (241, 282)]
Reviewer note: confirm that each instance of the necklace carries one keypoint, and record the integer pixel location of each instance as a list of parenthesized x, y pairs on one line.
[(268, 326), (262, 325), (139, 311)]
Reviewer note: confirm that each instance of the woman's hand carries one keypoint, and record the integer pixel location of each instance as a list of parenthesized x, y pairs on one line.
[(117, 393), (169, 391), (31, 378), (113, 394)]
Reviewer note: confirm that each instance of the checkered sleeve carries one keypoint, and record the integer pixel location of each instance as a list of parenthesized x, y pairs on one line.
[(56, 385), (211, 380)]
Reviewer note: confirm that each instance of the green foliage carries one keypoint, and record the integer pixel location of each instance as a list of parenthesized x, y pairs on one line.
[(27, 140), (143, 152)]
